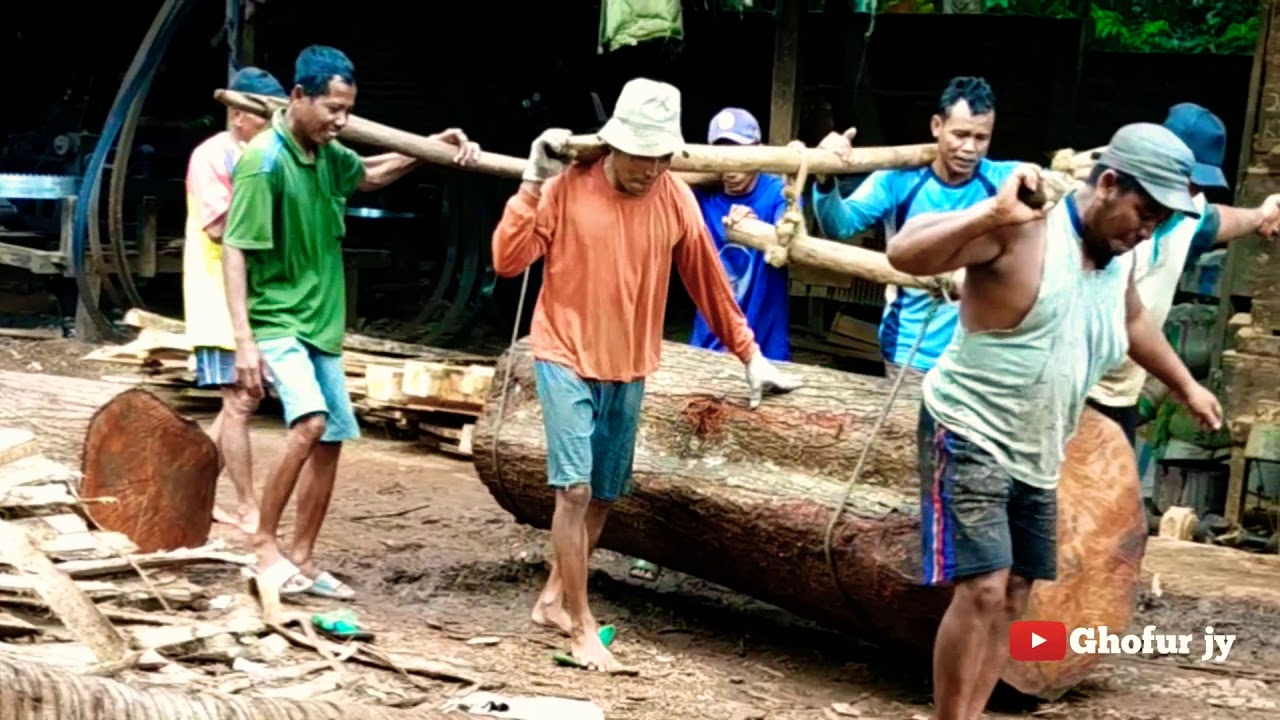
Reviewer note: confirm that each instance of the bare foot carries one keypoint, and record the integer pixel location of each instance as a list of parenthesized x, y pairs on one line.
[(552, 615), (588, 650)]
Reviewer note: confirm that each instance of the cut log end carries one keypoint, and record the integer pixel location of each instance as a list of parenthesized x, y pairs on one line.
[(744, 498)]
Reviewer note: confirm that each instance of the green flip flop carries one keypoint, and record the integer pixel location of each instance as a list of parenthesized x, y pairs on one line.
[(566, 659), (340, 625)]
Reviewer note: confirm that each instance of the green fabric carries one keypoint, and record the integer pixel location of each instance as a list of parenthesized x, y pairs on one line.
[(288, 214), (630, 22)]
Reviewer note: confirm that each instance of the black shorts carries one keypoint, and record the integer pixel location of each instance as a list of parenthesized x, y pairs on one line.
[(974, 517), (1126, 417)]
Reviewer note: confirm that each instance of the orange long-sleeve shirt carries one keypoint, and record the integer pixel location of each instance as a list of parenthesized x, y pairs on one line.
[(607, 271)]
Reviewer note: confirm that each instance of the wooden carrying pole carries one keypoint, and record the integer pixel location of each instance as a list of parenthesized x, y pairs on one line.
[(784, 160), (366, 131)]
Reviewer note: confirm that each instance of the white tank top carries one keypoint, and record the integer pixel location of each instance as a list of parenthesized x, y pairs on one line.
[(1018, 394)]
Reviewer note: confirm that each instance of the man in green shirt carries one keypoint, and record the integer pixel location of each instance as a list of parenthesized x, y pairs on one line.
[(282, 263)]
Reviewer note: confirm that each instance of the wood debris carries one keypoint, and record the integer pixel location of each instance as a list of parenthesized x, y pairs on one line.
[(411, 391), (78, 599)]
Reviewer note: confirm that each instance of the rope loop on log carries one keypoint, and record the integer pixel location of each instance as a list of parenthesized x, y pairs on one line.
[(791, 224)]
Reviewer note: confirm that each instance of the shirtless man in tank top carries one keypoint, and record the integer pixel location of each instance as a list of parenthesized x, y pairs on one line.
[(1046, 311)]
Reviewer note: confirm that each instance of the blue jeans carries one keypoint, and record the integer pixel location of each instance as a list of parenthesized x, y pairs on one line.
[(310, 381), (975, 518), (591, 429)]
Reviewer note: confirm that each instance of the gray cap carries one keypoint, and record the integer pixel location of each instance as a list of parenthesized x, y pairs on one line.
[(1160, 162)]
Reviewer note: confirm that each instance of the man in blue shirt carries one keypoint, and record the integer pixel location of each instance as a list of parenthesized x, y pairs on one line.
[(960, 177), (760, 288)]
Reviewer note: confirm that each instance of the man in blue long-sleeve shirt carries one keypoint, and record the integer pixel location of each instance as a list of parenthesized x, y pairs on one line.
[(960, 177)]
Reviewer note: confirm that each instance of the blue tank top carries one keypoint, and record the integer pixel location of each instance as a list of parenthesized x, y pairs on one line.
[(1018, 394)]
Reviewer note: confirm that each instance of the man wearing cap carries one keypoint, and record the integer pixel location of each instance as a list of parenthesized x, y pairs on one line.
[(208, 323), (760, 289), (282, 264), (959, 176), (1159, 262), (1046, 310), (609, 230)]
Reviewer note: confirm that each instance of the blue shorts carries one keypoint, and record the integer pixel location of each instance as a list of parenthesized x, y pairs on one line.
[(215, 367), (975, 518), (591, 429), (310, 381)]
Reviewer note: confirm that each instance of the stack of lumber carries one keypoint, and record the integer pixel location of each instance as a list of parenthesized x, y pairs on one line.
[(76, 601), (423, 393)]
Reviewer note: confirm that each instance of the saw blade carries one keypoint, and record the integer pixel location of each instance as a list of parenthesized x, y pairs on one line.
[(20, 186)]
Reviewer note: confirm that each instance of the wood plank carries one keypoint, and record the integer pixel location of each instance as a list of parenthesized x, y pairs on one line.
[(15, 444), (786, 71)]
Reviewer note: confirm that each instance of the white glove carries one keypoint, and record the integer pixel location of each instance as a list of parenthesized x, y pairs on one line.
[(762, 376), (543, 164)]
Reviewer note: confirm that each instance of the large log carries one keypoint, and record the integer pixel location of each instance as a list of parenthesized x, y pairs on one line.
[(54, 407), (744, 499)]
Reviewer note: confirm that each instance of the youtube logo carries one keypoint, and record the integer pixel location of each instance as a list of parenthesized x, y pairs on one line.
[(1037, 641)]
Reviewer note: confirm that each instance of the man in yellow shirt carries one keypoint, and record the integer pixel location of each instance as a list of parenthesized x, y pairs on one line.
[(204, 297)]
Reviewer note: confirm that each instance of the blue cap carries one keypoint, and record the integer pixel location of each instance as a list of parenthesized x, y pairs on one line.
[(1205, 134), (1159, 160), (735, 125), (257, 81)]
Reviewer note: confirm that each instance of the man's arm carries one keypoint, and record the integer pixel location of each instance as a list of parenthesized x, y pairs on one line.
[(840, 218), (936, 243), (703, 276), (527, 226), (250, 227), (1148, 346), (382, 170), (209, 183)]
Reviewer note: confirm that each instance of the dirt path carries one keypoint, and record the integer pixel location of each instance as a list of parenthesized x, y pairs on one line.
[(453, 566)]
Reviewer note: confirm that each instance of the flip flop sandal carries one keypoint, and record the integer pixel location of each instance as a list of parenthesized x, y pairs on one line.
[(283, 575), (607, 633), (341, 625), (325, 585), (645, 570)]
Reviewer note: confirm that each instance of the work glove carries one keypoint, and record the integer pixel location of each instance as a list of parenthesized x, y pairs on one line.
[(543, 163), (763, 377)]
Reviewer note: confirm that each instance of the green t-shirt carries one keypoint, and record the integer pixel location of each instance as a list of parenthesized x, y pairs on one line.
[(288, 216)]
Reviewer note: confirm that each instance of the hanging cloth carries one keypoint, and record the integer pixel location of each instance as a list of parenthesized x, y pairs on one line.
[(631, 22)]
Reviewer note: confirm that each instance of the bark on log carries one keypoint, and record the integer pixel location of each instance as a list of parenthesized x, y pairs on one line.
[(34, 692), (56, 408), (744, 498), (161, 468), (772, 158)]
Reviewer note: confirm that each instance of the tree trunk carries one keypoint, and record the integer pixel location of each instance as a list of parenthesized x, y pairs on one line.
[(56, 408), (34, 692), (743, 498)]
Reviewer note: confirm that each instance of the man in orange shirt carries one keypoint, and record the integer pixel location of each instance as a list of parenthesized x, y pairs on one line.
[(609, 231)]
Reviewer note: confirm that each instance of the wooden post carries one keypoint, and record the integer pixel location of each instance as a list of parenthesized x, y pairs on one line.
[(786, 63)]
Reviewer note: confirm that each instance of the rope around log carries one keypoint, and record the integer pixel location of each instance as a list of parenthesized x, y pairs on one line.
[(505, 388), (791, 225), (866, 451)]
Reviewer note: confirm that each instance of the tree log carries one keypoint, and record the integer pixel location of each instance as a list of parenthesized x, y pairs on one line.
[(56, 408), (34, 692), (744, 498)]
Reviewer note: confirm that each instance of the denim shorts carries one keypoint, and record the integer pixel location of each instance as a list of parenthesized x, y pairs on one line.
[(310, 381), (975, 518), (591, 429)]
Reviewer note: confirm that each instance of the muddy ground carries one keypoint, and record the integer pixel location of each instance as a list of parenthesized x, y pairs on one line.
[(451, 566)]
